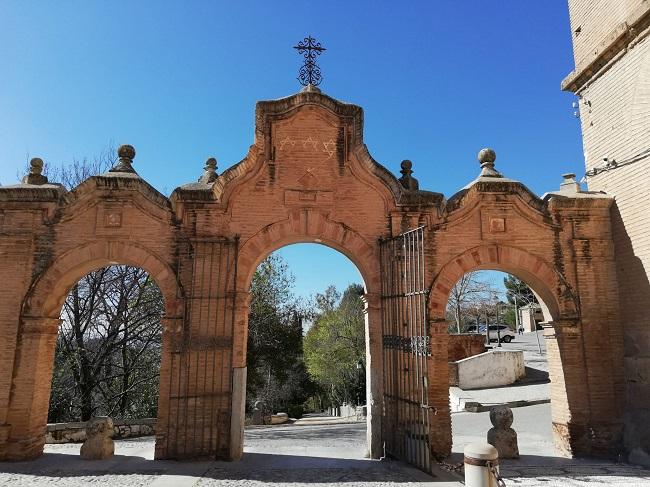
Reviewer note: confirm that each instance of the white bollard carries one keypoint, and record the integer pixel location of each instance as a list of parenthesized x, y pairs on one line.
[(482, 466)]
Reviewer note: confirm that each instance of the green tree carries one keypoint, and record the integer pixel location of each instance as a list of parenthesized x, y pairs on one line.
[(335, 344), (276, 370), (515, 287)]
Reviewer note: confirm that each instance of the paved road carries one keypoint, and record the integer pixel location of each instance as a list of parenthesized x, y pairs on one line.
[(529, 344), (319, 455), (324, 455)]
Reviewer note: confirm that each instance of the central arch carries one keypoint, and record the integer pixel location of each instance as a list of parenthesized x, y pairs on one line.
[(312, 227)]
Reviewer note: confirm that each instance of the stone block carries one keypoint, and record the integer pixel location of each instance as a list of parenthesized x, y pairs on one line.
[(99, 439)]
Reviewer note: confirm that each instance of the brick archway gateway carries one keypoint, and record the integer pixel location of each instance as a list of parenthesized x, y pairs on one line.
[(308, 177)]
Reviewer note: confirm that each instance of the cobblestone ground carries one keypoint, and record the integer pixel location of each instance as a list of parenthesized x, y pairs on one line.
[(291, 456), (581, 475)]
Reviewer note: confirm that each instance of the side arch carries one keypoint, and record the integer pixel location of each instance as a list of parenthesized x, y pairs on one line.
[(571, 403), (556, 295), (39, 324), (48, 292)]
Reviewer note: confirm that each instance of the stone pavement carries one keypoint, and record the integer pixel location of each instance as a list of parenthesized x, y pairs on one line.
[(538, 465), (319, 455), (325, 455)]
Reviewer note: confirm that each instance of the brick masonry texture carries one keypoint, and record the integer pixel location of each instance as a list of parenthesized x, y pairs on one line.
[(307, 178), (615, 119)]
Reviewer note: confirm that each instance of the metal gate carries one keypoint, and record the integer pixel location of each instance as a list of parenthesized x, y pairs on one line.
[(406, 349)]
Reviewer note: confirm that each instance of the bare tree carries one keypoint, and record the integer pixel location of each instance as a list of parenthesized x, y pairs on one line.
[(466, 293), (108, 350)]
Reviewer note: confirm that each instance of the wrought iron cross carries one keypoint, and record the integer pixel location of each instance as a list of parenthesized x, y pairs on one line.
[(309, 73)]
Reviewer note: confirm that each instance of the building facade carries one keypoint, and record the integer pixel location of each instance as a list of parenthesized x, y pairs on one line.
[(611, 46)]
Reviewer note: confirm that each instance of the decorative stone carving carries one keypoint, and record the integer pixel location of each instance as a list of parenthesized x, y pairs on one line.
[(408, 181), (126, 154), (487, 157), (502, 436), (497, 225), (113, 219), (35, 175), (99, 439)]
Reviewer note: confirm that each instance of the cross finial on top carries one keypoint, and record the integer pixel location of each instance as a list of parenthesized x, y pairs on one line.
[(309, 73)]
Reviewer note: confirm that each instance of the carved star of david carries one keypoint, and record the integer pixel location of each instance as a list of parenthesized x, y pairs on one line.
[(311, 141), (287, 140), (329, 147)]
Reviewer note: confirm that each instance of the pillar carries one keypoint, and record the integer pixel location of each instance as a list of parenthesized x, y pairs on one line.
[(374, 373), (438, 376), (239, 373), (32, 381)]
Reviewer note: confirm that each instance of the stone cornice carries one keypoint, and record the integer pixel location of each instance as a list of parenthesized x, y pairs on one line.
[(32, 193), (635, 27)]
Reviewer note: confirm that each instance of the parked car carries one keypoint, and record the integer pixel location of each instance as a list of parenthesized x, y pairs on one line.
[(507, 335)]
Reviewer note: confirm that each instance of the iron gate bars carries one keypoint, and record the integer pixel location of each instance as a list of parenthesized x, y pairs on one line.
[(406, 348)]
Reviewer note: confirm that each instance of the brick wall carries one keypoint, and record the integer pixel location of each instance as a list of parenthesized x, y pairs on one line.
[(308, 178), (615, 120), (463, 345)]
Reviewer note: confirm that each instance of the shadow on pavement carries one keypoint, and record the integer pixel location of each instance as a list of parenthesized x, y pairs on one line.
[(537, 466), (259, 467)]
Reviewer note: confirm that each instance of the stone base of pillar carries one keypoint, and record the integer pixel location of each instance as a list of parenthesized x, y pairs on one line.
[(598, 441), (238, 412)]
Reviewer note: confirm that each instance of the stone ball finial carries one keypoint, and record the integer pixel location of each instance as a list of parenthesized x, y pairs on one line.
[(408, 181), (487, 156), (209, 171), (126, 151), (501, 417), (211, 163), (126, 154)]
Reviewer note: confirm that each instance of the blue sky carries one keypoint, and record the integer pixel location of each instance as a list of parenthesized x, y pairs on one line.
[(179, 80)]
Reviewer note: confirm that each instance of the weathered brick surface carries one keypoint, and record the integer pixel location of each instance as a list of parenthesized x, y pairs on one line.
[(307, 178), (465, 345), (615, 119)]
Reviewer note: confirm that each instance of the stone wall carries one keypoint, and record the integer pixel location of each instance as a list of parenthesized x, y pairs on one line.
[(490, 369), (123, 428), (615, 118)]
